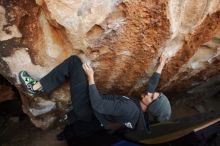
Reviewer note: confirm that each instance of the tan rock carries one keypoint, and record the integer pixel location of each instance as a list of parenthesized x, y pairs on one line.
[(122, 38)]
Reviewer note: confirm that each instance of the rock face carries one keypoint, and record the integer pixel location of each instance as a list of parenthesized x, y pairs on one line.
[(122, 38), (6, 90)]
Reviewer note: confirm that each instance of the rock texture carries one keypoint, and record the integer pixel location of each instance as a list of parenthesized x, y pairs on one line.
[(6, 90), (122, 38)]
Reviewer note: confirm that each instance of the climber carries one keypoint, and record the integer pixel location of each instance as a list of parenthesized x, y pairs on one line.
[(93, 111)]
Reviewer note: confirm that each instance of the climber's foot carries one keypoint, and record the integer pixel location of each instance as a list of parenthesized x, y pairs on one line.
[(28, 82)]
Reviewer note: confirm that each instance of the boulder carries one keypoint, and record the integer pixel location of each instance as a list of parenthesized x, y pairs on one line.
[(122, 38)]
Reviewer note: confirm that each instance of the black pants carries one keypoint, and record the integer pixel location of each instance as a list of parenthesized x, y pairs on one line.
[(82, 113)]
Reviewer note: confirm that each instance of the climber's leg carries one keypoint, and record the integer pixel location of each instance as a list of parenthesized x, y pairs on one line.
[(71, 69)]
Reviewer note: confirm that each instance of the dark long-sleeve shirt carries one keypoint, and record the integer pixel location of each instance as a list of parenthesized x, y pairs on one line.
[(119, 109), (153, 82)]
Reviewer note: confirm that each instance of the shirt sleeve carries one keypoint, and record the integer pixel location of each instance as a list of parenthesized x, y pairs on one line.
[(103, 106), (153, 82)]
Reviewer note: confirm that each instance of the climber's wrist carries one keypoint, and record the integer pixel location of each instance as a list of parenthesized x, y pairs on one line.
[(91, 80)]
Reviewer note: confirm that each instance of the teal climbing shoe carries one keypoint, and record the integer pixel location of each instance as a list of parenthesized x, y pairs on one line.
[(28, 82)]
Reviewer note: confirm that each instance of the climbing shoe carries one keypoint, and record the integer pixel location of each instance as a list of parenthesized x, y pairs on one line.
[(28, 82), (63, 120)]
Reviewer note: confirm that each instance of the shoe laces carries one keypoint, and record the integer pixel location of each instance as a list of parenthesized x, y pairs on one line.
[(30, 80)]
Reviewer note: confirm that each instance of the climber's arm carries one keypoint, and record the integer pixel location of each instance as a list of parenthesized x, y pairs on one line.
[(111, 107), (162, 63), (155, 78)]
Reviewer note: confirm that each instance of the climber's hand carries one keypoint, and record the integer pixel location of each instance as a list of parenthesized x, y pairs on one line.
[(89, 72), (163, 59), (162, 62)]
